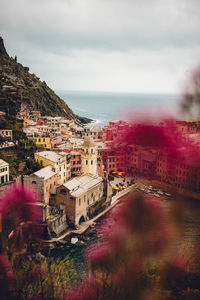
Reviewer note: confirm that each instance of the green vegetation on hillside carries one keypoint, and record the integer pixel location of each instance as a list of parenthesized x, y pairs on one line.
[(20, 157), (18, 85)]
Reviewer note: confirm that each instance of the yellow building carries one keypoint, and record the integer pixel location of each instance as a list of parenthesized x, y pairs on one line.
[(71, 123), (58, 162), (43, 142)]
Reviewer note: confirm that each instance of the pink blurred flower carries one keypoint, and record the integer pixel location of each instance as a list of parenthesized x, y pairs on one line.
[(5, 269), (41, 293), (180, 262), (159, 239), (158, 137), (135, 266), (109, 223), (19, 203), (87, 290), (6, 278), (99, 254)]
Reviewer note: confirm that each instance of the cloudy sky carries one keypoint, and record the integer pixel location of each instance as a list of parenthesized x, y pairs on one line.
[(105, 45)]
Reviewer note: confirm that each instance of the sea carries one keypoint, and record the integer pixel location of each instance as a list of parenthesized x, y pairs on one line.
[(103, 107)]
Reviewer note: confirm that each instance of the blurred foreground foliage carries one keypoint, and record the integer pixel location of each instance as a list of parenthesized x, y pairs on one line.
[(46, 279)]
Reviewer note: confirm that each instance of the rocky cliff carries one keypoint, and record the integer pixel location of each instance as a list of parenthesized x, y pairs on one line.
[(19, 87)]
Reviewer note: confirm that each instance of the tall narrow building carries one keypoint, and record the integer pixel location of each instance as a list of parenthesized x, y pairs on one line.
[(89, 157)]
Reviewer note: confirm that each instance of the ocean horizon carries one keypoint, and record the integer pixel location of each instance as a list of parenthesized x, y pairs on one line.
[(105, 106)]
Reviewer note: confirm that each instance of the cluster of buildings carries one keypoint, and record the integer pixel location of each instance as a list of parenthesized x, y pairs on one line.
[(72, 184), (69, 200)]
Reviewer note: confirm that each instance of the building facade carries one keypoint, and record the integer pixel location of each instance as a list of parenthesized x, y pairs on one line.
[(80, 197), (6, 133), (4, 171), (59, 163), (42, 182), (89, 157)]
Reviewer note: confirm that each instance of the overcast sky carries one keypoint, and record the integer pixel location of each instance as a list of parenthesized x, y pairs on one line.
[(107, 45)]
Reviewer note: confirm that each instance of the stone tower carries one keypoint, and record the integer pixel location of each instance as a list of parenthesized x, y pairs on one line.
[(89, 157)]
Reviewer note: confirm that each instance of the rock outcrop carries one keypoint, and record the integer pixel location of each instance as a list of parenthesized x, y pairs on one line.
[(2, 48), (19, 87)]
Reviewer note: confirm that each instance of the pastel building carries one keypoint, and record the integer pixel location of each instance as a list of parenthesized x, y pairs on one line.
[(57, 161), (6, 133), (80, 197), (92, 131), (89, 157), (75, 163), (43, 142), (183, 173), (42, 182), (4, 171)]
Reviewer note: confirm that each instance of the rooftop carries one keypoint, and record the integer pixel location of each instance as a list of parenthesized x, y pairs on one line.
[(75, 153), (45, 172), (50, 155), (81, 184), (3, 163)]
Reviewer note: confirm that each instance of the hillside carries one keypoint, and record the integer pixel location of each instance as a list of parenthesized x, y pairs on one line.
[(18, 86)]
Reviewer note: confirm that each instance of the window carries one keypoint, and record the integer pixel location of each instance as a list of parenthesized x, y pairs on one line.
[(33, 182), (91, 162), (2, 179), (91, 150), (86, 162), (63, 192)]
